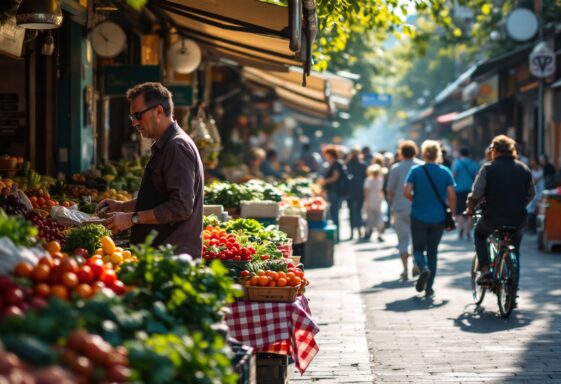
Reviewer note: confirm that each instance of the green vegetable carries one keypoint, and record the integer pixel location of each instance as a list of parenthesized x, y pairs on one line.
[(87, 236), (30, 349), (17, 229)]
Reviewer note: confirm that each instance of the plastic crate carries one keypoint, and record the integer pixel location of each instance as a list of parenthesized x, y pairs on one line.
[(317, 224), (259, 209), (271, 368)]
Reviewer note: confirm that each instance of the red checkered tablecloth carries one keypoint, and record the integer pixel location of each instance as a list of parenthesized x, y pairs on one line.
[(283, 328)]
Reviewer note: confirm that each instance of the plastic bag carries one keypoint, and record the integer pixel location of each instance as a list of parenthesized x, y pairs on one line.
[(70, 217)]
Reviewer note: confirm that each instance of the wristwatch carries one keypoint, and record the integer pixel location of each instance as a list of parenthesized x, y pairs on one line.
[(135, 218)]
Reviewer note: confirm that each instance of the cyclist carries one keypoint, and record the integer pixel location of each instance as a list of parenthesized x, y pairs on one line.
[(505, 185)]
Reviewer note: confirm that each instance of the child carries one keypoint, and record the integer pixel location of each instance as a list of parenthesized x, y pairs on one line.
[(373, 197)]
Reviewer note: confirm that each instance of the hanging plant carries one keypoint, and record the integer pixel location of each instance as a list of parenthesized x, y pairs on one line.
[(8, 9)]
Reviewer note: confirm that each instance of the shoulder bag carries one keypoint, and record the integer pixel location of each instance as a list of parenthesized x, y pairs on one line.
[(449, 222)]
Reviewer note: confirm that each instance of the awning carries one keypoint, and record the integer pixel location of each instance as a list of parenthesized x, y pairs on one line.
[(342, 90), (466, 118), (455, 86), (510, 58), (447, 118), (247, 30), (304, 104), (427, 112)]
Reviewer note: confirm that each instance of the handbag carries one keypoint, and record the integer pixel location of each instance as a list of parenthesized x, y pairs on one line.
[(449, 222)]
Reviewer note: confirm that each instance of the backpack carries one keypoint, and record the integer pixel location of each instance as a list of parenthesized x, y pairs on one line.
[(344, 183)]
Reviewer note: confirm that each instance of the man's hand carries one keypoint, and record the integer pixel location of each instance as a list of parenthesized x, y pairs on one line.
[(118, 221), (469, 212), (108, 206)]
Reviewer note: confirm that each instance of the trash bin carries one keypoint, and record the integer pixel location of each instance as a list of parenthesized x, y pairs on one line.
[(549, 220)]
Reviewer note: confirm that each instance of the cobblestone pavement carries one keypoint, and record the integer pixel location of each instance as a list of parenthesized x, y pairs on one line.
[(376, 328)]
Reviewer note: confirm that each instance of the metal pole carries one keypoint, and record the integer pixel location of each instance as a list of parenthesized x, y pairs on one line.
[(541, 127)]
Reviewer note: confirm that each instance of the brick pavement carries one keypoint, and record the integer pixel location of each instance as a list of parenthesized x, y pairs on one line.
[(367, 315)]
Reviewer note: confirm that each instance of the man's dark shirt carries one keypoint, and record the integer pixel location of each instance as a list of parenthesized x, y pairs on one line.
[(178, 174), (506, 186)]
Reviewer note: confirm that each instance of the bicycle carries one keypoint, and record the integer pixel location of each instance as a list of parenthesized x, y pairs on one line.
[(504, 265)]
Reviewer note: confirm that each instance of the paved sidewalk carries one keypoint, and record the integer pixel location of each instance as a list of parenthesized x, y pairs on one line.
[(375, 328), (337, 308)]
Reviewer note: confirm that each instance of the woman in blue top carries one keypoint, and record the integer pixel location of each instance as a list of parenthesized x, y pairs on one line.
[(464, 170), (427, 212)]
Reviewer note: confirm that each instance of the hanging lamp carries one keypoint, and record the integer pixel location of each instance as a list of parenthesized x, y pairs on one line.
[(39, 14)]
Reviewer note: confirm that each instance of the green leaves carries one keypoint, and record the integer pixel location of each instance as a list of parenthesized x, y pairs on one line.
[(17, 229), (87, 236)]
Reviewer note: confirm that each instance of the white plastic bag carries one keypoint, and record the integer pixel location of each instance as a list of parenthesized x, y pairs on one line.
[(70, 217)]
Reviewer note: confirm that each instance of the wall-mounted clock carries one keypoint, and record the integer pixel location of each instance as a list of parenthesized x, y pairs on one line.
[(108, 39)]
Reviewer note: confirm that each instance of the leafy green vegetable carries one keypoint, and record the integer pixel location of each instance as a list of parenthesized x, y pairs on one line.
[(87, 236), (17, 229)]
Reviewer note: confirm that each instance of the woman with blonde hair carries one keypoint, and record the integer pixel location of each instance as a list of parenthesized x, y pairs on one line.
[(373, 197), (428, 186)]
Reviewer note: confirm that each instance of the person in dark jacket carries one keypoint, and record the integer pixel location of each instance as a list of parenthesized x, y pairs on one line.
[(357, 169), (330, 180), (505, 185)]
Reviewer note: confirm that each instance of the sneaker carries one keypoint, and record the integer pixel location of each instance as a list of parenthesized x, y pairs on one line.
[(429, 292), (422, 280), (415, 271), (485, 278)]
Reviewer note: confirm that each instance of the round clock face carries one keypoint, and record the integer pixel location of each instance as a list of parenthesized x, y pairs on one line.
[(108, 39)]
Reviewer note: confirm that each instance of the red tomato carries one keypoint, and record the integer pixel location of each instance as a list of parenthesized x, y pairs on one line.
[(98, 267), (81, 252), (109, 277), (118, 287), (86, 275)]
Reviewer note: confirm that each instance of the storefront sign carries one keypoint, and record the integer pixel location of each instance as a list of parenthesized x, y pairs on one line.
[(11, 38), (182, 95), (542, 61), (120, 78), (370, 99), (488, 91)]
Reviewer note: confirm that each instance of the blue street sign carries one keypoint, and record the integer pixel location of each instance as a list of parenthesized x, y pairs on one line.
[(370, 99)]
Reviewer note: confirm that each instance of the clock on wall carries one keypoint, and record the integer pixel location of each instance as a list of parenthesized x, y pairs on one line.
[(108, 39)]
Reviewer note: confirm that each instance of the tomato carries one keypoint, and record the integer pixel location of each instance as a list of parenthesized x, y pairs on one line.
[(41, 272), (42, 290), (14, 296), (23, 269), (60, 292), (109, 277), (6, 283), (69, 265), (85, 274), (46, 260), (263, 281), (118, 287), (98, 267), (244, 273), (81, 252), (97, 286), (237, 258), (70, 280), (264, 257), (84, 291)]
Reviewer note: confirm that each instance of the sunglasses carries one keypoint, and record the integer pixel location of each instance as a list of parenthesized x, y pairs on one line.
[(138, 115)]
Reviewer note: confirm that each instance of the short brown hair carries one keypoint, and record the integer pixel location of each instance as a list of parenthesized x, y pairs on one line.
[(504, 145), (332, 151), (408, 149), (154, 94)]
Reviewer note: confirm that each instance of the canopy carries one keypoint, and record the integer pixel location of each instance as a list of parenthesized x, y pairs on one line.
[(247, 31)]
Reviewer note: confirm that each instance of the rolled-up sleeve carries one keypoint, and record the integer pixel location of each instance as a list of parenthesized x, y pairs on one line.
[(179, 179)]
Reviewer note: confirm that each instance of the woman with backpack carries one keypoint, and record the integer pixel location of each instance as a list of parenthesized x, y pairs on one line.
[(334, 172)]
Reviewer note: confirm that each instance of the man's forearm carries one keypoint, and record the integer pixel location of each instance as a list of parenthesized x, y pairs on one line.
[(128, 206)]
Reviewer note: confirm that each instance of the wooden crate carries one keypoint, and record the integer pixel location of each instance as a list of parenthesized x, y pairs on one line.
[(271, 368), (275, 294)]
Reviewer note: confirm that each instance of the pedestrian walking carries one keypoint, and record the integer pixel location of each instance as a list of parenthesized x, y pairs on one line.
[(427, 186), (400, 207), (373, 197), (357, 170), (464, 170), (334, 169), (170, 198), (539, 183), (548, 172)]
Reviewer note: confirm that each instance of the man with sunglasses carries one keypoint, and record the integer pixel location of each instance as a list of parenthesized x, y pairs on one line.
[(505, 186), (170, 198)]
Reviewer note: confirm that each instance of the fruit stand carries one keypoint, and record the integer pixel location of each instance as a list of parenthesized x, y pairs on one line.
[(75, 307)]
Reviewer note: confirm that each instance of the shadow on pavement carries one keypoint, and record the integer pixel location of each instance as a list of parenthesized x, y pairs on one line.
[(393, 284), (480, 320), (415, 303), (376, 249)]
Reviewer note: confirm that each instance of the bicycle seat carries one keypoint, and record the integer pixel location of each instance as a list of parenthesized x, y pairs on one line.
[(508, 228)]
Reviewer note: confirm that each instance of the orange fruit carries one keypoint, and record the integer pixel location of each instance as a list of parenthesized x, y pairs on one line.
[(85, 291), (42, 290), (272, 283), (294, 282), (274, 275), (23, 269), (281, 274), (70, 280), (263, 281), (260, 272), (59, 291), (281, 282), (254, 280), (53, 246), (41, 272), (290, 275)]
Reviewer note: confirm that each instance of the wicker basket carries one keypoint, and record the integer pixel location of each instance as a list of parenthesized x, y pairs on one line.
[(276, 294)]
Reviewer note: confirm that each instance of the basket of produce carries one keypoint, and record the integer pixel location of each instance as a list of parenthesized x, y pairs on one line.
[(8, 163), (277, 281)]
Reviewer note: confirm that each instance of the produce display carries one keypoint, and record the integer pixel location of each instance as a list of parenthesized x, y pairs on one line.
[(49, 230), (230, 194)]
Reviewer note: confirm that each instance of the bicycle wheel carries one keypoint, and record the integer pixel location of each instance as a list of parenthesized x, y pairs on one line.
[(477, 291), (506, 282)]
